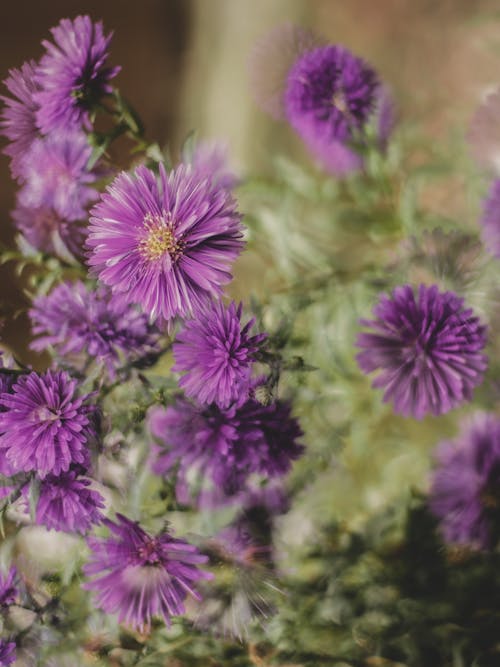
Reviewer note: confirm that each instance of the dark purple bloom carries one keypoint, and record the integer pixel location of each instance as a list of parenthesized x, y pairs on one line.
[(46, 425), (7, 652), (465, 491), (226, 446), (216, 353), (72, 75), (428, 350), (138, 576), (79, 323), (56, 176), (330, 94), (18, 119), (8, 590), (166, 242), (490, 221), (66, 503)]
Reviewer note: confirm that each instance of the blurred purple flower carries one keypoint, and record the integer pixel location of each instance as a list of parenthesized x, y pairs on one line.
[(209, 161), (465, 486), (66, 503), (18, 118), (7, 652), (428, 350), (79, 322), (216, 353), (490, 222), (72, 74), (8, 590), (139, 576), (167, 243), (483, 135), (46, 425)]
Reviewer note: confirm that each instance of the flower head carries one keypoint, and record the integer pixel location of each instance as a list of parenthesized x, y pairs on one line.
[(72, 74), (138, 576), (209, 160), (7, 652), (46, 425), (168, 242), (490, 221), (465, 490), (18, 118), (428, 350), (79, 323), (8, 590), (216, 353)]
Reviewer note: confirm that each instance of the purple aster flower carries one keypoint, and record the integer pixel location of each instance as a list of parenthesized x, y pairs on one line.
[(8, 590), (72, 75), (46, 425), (226, 446), (7, 652), (79, 322), (209, 161), (490, 221), (18, 118), (465, 490), (138, 576), (216, 353), (428, 350), (56, 177), (166, 242), (66, 503)]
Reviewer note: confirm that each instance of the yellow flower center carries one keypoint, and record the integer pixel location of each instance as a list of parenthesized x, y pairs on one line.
[(159, 238)]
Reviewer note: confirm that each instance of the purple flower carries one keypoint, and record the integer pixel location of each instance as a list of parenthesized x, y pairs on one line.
[(7, 652), (8, 590), (18, 118), (56, 177), (226, 446), (66, 503), (138, 576), (79, 322), (209, 161), (427, 350), (72, 75), (46, 425), (484, 132), (465, 486), (490, 221), (168, 242), (216, 353)]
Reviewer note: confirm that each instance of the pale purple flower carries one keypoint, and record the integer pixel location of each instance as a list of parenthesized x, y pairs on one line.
[(18, 118), (46, 425), (82, 323), (209, 160), (66, 503), (490, 222), (72, 74), (7, 652), (216, 354), (139, 576), (427, 349), (8, 589), (167, 242), (465, 490), (483, 135)]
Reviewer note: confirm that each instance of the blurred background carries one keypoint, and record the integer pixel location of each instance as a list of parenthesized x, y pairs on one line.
[(185, 66)]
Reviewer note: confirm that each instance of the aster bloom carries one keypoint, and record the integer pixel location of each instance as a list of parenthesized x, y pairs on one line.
[(138, 576), (79, 322), (7, 652), (209, 160), (66, 503), (56, 176), (226, 446), (72, 74), (18, 118), (490, 222), (465, 489), (216, 353), (8, 590), (46, 425), (428, 350), (166, 242)]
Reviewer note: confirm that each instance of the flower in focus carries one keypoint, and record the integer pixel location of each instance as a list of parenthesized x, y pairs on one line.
[(225, 445), (7, 652), (79, 323), (216, 353), (168, 242), (46, 425), (8, 590), (490, 221), (428, 350), (18, 118), (72, 74), (138, 576), (465, 490)]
